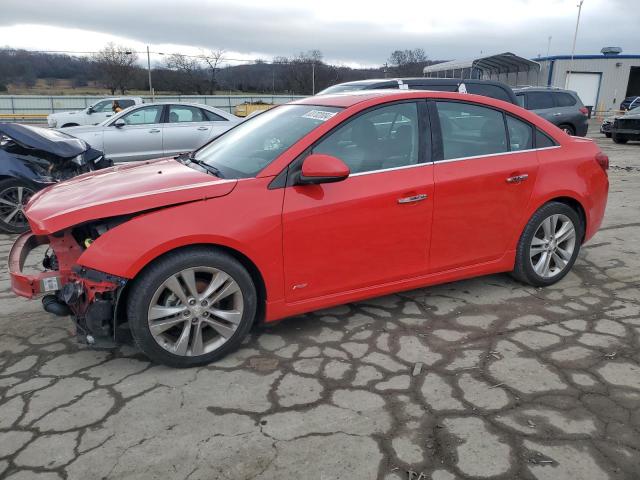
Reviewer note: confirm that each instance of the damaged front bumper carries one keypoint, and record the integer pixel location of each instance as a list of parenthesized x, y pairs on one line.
[(90, 296)]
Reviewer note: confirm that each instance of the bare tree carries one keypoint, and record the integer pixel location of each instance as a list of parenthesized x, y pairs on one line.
[(190, 69), (212, 60), (115, 64), (408, 62)]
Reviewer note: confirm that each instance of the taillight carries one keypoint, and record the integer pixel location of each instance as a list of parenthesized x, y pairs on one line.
[(603, 161), (584, 110)]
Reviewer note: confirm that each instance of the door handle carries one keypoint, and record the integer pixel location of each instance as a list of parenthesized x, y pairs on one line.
[(202, 129), (413, 198), (154, 130), (518, 178), (557, 114)]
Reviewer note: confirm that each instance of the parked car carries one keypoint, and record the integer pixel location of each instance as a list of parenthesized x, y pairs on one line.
[(32, 158), (92, 115), (607, 123), (630, 103), (487, 88), (561, 107), (156, 130), (626, 127), (295, 209)]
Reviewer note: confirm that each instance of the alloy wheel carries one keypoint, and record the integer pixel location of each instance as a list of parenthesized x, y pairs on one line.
[(552, 245), (195, 311), (12, 202)]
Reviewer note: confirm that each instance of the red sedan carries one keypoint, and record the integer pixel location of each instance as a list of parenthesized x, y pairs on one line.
[(323, 201)]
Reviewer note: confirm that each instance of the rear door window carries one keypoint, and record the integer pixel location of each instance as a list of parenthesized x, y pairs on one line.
[(126, 103), (539, 100), (564, 99), (520, 134), (470, 130)]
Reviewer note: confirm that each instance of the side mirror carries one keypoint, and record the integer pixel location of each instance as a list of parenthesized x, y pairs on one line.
[(318, 168), (90, 110), (119, 123)]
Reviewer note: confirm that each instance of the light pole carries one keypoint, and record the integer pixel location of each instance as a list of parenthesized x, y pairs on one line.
[(573, 48), (313, 78), (153, 97)]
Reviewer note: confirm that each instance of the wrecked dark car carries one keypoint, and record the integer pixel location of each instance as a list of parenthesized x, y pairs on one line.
[(32, 158)]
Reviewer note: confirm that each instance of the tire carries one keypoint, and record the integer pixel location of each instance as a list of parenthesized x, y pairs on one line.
[(69, 125), (607, 134), (14, 194), (568, 129), (617, 138), (149, 292), (530, 251)]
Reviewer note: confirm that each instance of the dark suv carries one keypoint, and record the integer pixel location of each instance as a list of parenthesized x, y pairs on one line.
[(563, 108), (487, 88)]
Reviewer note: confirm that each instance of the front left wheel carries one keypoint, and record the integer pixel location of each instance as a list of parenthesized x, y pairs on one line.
[(191, 307)]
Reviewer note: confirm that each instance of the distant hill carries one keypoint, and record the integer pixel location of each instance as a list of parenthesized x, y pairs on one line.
[(24, 72)]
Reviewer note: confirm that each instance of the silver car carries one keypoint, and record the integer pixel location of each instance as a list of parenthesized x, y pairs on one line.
[(155, 130)]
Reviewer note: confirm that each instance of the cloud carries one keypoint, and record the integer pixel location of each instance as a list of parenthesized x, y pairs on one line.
[(343, 31)]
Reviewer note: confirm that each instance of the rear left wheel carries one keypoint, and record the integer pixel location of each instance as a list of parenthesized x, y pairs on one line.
[(14, 195), (549, 245), (191, 307)]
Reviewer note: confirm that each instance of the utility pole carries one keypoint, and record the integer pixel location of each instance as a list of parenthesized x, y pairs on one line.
[(153, 99), (313, 78), (573, 48), (549, 45)]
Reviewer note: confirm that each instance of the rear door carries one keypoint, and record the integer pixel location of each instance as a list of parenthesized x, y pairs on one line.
[(542, 104), (187, 129), (139, 139), (484, 172)]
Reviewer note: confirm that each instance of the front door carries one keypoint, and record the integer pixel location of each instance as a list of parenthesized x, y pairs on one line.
[(371, 228), (139, 139), (483, 182)]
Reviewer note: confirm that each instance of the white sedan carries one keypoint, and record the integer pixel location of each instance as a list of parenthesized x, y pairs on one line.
[(155, 130)]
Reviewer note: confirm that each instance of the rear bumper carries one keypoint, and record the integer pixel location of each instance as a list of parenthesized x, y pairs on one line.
[(30, 285)]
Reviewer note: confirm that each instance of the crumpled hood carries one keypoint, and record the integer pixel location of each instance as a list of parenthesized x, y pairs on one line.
[(121, 190), (44, 139)]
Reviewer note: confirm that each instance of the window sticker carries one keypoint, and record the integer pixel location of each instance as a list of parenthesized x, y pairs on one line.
[(462, 88), (319, 115)]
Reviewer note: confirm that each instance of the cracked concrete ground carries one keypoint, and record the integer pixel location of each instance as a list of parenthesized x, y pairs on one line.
[(484, 378)]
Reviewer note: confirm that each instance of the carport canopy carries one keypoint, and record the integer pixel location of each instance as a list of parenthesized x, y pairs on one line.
[(482, 67)]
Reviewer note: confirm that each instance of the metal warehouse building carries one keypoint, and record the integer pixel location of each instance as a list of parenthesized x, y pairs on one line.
[(602, 81)]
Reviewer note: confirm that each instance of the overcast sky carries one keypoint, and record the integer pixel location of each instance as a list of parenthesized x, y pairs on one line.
[(349, 32)]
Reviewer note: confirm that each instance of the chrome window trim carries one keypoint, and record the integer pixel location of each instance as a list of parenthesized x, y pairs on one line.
[(496, 154), (423, 164), (452, 160)]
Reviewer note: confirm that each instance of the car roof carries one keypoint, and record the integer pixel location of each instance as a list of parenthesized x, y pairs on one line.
[(418, 80), (348, 99), (541, 89)]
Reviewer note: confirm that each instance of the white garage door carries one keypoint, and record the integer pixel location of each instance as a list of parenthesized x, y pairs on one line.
[(586, 85)]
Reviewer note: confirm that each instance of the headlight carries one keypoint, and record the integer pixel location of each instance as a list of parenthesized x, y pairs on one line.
[(78, 160)]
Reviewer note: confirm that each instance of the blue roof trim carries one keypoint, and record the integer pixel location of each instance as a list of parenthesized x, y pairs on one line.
[(585, 57)]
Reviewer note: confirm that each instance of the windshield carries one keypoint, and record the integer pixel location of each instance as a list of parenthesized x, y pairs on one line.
[(245, 150), (343, 88)]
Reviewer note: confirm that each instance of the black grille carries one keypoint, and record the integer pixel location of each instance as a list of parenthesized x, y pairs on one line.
[(628, 123)]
